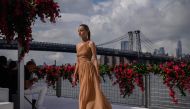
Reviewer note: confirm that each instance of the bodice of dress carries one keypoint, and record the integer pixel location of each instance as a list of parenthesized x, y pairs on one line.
[(84, 53)]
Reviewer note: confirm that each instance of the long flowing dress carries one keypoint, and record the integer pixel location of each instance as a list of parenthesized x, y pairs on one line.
[(90, 96)]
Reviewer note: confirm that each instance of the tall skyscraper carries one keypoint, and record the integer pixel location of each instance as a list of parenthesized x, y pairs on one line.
[(179, 49), (124, 45)]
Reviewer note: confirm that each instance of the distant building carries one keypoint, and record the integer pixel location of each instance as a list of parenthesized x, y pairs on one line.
[(160, 51), (156, 52), (185, 57), (124, 45), (179, 49)]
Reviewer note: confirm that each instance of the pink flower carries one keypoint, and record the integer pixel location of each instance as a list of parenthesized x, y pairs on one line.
[(129, 73), (176, 68), (183, 64)]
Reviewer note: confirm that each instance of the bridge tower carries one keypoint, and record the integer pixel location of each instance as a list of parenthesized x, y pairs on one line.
[(138, 41), (130, 33)]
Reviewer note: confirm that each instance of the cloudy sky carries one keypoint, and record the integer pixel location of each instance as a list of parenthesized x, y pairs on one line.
[(161, 22)]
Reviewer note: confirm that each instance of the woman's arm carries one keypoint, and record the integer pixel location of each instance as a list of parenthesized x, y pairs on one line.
[(76, 65), (94, 56)]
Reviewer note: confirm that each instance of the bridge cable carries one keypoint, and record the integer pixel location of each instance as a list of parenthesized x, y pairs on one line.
[(113, 41)]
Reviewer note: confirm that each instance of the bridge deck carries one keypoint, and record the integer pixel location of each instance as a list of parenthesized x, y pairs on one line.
[(57, 47)]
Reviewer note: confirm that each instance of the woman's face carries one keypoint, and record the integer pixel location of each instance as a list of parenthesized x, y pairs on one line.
[(82, 32)]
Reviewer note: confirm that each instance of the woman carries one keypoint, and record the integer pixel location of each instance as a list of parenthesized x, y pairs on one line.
[(90, 96)]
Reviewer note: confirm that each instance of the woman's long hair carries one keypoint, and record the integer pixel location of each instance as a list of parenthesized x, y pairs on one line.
[(87, 29)]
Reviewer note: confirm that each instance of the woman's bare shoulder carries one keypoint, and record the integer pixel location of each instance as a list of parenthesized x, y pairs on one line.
[(91, 43), (78, 44)]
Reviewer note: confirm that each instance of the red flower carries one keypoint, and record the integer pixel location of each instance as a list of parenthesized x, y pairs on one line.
[(176, 68), (167, 70), (126, 76), (183, 64), (169, 64), (129, 73), (161, 66)]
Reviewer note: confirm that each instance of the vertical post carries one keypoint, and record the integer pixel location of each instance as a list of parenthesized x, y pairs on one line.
[(138, 41), (55, 62), (146, 92), (147, 89), (58, 87), (20, 80)]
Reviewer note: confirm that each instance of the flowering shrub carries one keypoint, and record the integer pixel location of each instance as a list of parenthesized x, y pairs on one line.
[(67, 71), (105, 70), (128, 74), (176, 75), (52, 73), (17, 17)]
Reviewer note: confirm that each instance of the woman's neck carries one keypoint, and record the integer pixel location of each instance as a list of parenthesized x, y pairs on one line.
[(84, 40)]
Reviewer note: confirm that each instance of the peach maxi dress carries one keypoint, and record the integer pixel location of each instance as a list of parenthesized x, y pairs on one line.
[(90, 96)]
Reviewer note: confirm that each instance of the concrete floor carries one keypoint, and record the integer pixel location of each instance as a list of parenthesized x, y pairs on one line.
[(53, 102)]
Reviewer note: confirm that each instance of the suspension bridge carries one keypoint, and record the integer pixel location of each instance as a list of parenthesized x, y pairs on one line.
[(58, 47)]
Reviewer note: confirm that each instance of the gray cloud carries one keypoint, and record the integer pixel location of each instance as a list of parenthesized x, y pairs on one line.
[(76, 6), (164, 22)]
